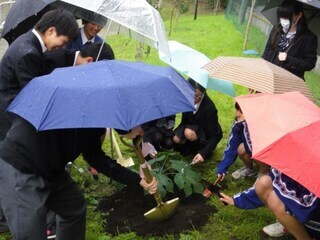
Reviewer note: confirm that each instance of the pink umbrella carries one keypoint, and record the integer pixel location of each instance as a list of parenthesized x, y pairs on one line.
[(285, 134)]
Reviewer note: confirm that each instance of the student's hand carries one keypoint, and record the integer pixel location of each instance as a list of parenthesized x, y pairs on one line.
[(197, 159), (92, 170), (142, 166), (220, 178), (150, 187), (282, 56), (226, 199), (134, 132), (148, 149)]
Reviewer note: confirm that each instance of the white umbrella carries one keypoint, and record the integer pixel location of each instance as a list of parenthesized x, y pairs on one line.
[(134, 18)]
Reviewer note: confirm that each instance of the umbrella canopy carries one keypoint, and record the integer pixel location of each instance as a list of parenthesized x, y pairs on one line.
[(311, 10), (22, 16), (189, 62), (257, 74), (115, 94), (184, 58), (285, 133), (135, 18)]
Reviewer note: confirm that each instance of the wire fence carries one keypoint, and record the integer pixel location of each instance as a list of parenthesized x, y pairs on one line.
[(238, 11)]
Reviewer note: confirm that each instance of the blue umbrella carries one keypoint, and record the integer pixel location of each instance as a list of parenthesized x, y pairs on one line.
[(115, 94), (184, 58), (190, 62)]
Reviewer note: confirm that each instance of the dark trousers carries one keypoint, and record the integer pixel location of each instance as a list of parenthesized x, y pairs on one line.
[(25, 199)]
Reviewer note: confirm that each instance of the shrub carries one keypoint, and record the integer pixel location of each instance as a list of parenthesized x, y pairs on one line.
[(174, 173)]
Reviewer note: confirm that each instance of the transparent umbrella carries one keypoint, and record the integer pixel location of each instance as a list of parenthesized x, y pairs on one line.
[(134, 18)]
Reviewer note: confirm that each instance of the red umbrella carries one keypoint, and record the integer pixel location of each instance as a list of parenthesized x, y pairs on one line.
[(285, 133)]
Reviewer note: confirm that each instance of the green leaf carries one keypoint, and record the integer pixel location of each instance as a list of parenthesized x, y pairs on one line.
[(156, 160), (179, 165), (162, 190), (180, 180), (198, 188), (166, 182), (187, 189), (184, 176), (192, 176)]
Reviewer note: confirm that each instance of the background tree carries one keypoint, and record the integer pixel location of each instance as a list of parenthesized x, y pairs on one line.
[(179, 7)]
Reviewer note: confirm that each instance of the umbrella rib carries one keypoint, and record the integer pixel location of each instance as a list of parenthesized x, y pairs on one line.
[(47, 110)]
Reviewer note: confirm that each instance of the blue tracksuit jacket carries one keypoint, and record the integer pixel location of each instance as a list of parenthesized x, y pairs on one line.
[(239, 134)]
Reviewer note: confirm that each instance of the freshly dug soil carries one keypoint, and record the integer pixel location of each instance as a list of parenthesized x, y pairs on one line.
[(124, 212)]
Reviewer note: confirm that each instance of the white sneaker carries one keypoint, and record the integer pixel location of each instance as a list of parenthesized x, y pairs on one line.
[(243, 172), (274, 230)]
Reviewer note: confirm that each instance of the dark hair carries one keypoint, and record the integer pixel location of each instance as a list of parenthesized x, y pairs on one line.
[(287, 9), (237, 106), (92, 17), (92, 50), (63, 20), (84, 22), (196, 85)]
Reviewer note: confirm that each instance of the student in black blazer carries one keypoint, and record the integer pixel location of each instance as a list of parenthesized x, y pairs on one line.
[(291, 45), (199, 132), (24, 58), (69, 57), (65, 58)]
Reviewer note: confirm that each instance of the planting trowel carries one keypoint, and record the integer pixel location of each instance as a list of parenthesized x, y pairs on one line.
[(163, 210)]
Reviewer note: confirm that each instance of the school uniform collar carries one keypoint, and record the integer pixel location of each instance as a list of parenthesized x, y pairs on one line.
[(197, 105), (84, 39), (75, 57), (43, 46)]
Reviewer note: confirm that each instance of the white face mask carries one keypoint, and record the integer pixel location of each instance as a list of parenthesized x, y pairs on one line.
[(285, 23)]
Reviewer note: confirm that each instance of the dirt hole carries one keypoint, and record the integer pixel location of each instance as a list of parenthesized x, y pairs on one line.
[(124, 212)]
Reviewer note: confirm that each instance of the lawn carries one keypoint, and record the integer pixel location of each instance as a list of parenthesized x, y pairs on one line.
[(213, 36)]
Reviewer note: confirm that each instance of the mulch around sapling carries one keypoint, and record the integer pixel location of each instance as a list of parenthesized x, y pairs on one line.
[(124, 212)]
